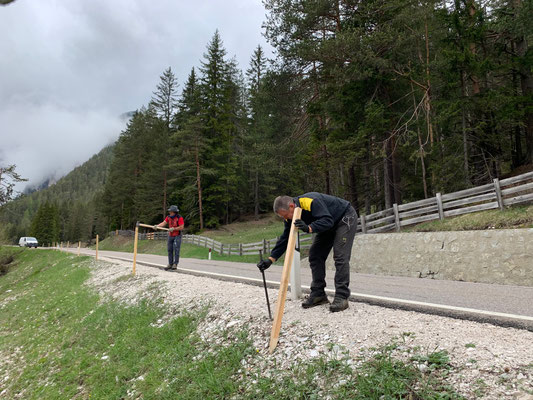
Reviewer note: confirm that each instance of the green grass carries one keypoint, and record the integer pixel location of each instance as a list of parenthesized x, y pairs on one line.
[(513, 217), (268, 227), (60, 340), (381, 376)]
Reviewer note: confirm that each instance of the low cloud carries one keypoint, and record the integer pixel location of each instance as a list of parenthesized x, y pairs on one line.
[(49, 141), (69, 69)]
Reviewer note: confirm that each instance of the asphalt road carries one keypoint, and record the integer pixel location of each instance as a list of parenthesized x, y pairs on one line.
[(496, 304)]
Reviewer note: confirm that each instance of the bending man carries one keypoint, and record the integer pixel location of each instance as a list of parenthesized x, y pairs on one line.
[(334, 221)]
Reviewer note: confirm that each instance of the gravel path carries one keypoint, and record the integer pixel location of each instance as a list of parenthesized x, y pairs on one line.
[(495, 361)]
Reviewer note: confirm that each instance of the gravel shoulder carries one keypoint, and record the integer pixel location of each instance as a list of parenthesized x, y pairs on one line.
[(487, 361)]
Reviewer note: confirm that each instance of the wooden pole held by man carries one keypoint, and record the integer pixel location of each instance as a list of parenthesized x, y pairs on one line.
[(284, 284)]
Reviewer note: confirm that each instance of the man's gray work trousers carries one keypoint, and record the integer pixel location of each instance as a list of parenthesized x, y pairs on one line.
[(340, 238)]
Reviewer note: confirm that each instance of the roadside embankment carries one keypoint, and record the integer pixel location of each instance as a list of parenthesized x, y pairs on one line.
[(490, 256)]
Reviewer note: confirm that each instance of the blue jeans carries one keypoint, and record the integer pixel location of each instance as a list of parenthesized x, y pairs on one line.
[(173, 248)]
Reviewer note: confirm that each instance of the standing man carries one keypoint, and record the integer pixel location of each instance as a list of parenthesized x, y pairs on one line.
[(334, 221), (175, 223)]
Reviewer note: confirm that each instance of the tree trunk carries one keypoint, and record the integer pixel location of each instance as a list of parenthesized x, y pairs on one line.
[(396, 175), (199, 186), (256, 195), (466, 167), (526, 84), (353, 188), (326, 166), (164, 192), (386, 183)]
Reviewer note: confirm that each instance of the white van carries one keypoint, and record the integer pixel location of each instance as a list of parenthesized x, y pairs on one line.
[(28, 241)]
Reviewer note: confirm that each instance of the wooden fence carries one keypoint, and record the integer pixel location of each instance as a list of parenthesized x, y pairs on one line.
[(240, 249), (495, 195)]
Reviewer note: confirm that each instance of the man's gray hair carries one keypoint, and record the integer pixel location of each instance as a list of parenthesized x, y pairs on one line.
[(282, 203)]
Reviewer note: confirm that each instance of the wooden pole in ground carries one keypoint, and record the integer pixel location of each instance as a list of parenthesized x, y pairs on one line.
[(79, 246), (284, 284), (96, 247), (135, 247), (68, 244)]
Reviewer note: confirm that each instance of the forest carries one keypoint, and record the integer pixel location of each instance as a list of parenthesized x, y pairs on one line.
[(378, 102)]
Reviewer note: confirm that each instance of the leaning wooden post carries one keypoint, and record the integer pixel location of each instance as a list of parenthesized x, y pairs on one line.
[(79, 246), (135, 247), (96, 247), (282, 294)]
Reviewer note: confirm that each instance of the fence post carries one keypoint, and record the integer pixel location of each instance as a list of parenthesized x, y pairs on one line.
[(396, 217), (79, 245), (264, 246), (221, 248), (363, 223), (240, 249), (97, 247), (439, 205), (498, 193)]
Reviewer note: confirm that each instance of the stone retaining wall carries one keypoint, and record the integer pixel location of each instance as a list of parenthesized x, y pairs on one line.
[(492, 256)]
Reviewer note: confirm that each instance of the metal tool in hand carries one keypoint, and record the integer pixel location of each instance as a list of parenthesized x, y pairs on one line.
[(266, 291)]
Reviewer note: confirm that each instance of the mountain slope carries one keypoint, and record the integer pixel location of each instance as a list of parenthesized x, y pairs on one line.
[(75, 194)]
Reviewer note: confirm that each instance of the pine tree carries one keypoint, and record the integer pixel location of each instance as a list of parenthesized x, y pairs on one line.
[(220, 99), (164, 103)]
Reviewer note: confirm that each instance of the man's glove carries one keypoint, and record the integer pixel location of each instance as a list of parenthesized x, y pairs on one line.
[(301, 225), (264, 264), (171, 229)]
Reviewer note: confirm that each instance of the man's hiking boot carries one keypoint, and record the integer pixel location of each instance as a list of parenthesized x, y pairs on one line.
[(168, 267), (174, 267), (313, 301), (339, 304)]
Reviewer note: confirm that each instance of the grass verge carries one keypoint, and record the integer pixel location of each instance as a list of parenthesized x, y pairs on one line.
[(61, 340), (513, 217)]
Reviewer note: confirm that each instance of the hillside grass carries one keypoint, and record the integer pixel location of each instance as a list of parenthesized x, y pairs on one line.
[(61, 340), (250, 231), (510, 218)]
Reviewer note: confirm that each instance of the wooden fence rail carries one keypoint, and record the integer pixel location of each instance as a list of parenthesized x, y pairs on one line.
[(495, 195)]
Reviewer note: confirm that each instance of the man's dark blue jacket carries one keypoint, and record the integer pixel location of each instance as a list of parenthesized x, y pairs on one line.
[(320, 211)]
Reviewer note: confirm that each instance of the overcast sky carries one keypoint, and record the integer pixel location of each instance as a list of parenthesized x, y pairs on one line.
[(69, 69)]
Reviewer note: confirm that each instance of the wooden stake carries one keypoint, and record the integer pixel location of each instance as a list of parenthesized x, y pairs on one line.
[(153, 227), (96, 247), (135, 247), (79, 246), (284, 284)]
